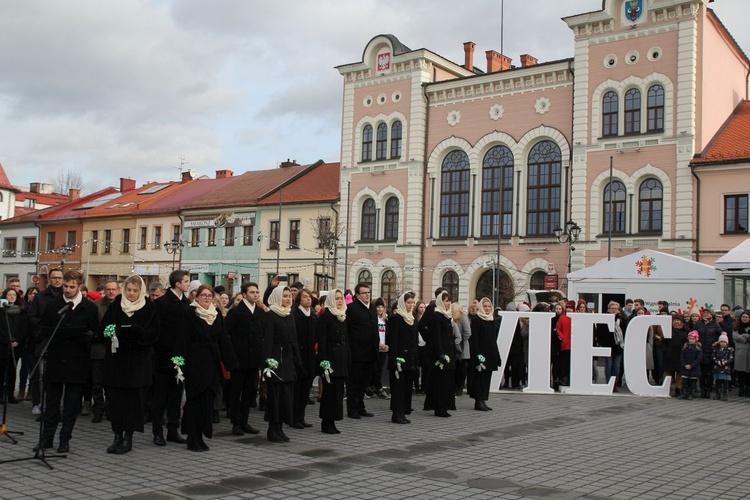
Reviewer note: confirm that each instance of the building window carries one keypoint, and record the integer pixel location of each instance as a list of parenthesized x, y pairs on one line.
[(175, 233), (537, 280), (368, 220), (655, 108), (70, 239), (381, 142), (107, 241), (633, 111), (126, 241), (610, 109), (229, 236), (391, 218), (614, 196), (396, 139), (497, 191), (144, 237), (29, 247), (294, 234), (325, 236), (9, 247), (650, 207), (450, 283), (29, 202), (367, 143), (94, 241), (543, 206), (735, 214), (157, 237), (365, 277), (273, 238), (454, 196), (195, 237), (50, 241), (247, 235), (388, 288), (211, 237)]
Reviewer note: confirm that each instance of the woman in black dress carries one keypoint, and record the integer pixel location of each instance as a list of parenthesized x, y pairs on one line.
[(305, 321), (282, 362), (13, 336), (440, 352), (130, 326), (401, 337), (204, 346), (334, 358), (485, 355)]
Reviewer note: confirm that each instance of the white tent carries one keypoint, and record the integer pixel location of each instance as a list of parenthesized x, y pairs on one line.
[(737, 259)]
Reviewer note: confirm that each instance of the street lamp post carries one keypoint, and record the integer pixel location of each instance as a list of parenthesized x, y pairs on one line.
[(172, 247), (64, 251), (568, 235)]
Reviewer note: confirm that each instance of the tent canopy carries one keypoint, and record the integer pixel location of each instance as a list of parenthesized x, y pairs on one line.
[(647, 265), (737, 258)]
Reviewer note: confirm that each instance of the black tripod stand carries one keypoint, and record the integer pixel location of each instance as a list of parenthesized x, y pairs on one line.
[(10, 368), (38, 449)]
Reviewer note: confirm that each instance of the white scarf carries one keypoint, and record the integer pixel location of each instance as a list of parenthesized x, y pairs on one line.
[(178, 293), (249, 306), (75, 300), (305, 310), (129, 308), (274, 302), (340, 314), (401, 310), (440, 306), (207, 315), (480, 310)]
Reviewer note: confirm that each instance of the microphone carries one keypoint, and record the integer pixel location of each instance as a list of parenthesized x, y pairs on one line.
[(67, 307)]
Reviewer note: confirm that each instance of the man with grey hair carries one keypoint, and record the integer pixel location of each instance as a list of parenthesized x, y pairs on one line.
[(155, 290)]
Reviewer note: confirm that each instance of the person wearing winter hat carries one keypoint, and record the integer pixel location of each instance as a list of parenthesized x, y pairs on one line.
[(690, 360), (192, 289), (723, 357)]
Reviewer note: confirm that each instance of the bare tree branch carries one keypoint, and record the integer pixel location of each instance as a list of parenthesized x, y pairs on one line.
[(65, 180)]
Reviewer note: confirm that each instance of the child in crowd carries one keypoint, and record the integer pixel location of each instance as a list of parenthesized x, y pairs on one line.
[(723, 357), (690, 360)]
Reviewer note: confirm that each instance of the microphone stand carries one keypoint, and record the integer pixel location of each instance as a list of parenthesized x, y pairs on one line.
[(6, 379), (38, 450)]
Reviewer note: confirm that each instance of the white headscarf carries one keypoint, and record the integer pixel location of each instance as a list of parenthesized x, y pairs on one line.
[(274, 302), (129, 308), (440, 306), (340, 314), (480, 310), (401, 309)]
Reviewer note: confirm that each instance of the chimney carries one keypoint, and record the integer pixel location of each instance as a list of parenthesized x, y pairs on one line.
[(224, 174), (74, 194), (528, 60), (186, 177), (469, 55), (289, 163), (34, 187), (497, 61), (126, 185)]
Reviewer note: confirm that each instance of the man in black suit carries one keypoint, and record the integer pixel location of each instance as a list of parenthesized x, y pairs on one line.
[(244, 324), (362, 328), (68, 360), (170, 308)]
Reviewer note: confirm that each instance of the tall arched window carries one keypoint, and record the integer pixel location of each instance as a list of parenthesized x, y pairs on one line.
[(450, 283), (610, 109), (650, 196), (614, 207), (633, 111), (367, 143), (381, 143), (396, 140), (454, 196), (497, 191), (365, 276), (655, 108), (543, 205), (391, 219), (368, 220), (537, 280), (388, 288)]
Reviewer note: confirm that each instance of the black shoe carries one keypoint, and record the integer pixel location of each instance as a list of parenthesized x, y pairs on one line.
[(63, 448), (273, 434), (354, 416), (116, 443), (247, 428), (202, 443), (487, 408), (442, 413), (365, 413), (192, 444), (328, 427), (399, 419), (305, 424), (281, 432), (97, 418), (237, 430), (174, 437), (297, 425), (126, 445), (45, 444), (159, 440), (479, 406)]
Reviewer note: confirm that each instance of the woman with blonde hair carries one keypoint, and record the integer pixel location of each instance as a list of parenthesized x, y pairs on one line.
[(461, 320)]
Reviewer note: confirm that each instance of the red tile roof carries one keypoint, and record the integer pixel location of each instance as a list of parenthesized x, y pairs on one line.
[(4, 181), (78, 208), (185, 194), (731, 144), (319, 183), (43, 198)]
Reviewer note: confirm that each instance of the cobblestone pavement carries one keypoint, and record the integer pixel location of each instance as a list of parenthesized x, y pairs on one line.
[(530, 446)]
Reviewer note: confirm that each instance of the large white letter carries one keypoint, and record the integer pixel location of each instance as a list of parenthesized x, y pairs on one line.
[(635, 355), (539, 348), (582, 351)]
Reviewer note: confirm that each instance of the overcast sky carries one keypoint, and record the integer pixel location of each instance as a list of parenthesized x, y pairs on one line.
[(128, 87)]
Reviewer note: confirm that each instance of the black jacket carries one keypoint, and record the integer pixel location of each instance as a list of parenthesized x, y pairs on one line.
[(170, 310), (483, 341), (36, 312), (305, 326), (18, 321), (333, 344), (245, 329), (440, 341), (709, 334), (280, 343), (362, 326), (401, 340)]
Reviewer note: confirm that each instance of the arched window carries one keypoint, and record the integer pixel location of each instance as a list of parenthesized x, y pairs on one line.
[(537, 280), (633, 111), (543, 205), (396, 140), (388, 289), (450, 283), (367, 143), (614, 207), (368, 220), (655, 108), (497, 191), (610, 109), (381, 143), (391, 218), (650, 197), (454, 196), (365, 276)]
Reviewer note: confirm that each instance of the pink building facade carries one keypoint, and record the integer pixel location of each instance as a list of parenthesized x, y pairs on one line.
[(457, 176)]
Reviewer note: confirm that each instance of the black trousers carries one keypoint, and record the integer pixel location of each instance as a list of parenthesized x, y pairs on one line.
[(8, 375), (376, 382), (302, 388), (332, 401), (461, 365), (126, 408), (441, 395), (51, 417), (243, 388), (36, 380), (401, 391), (480, 385), (97, 386), (167, 395), (707, 377), (359, 378)]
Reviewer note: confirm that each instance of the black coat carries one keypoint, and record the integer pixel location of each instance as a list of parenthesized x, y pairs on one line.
[(402, 340), (37, 308), (333, 345), (245, 329), (709, 334), (440, 340), (673, 350), (362, 326), (131, 365), (205, 347), (280, 343), (19, 331), (171, 311), (306, 326), (483, 341), (68, 356)]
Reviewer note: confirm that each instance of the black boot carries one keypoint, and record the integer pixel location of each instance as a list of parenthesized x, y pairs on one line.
[(126, 444), (201, 443), (280, 427), (479, 406), (249, 429), (487, 408), (237, 430), (717, 394), (725, 390), (192, 444), (116, 443), (399, 418), (273, 433), (159, 438), (328, 427), (174, 437)]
